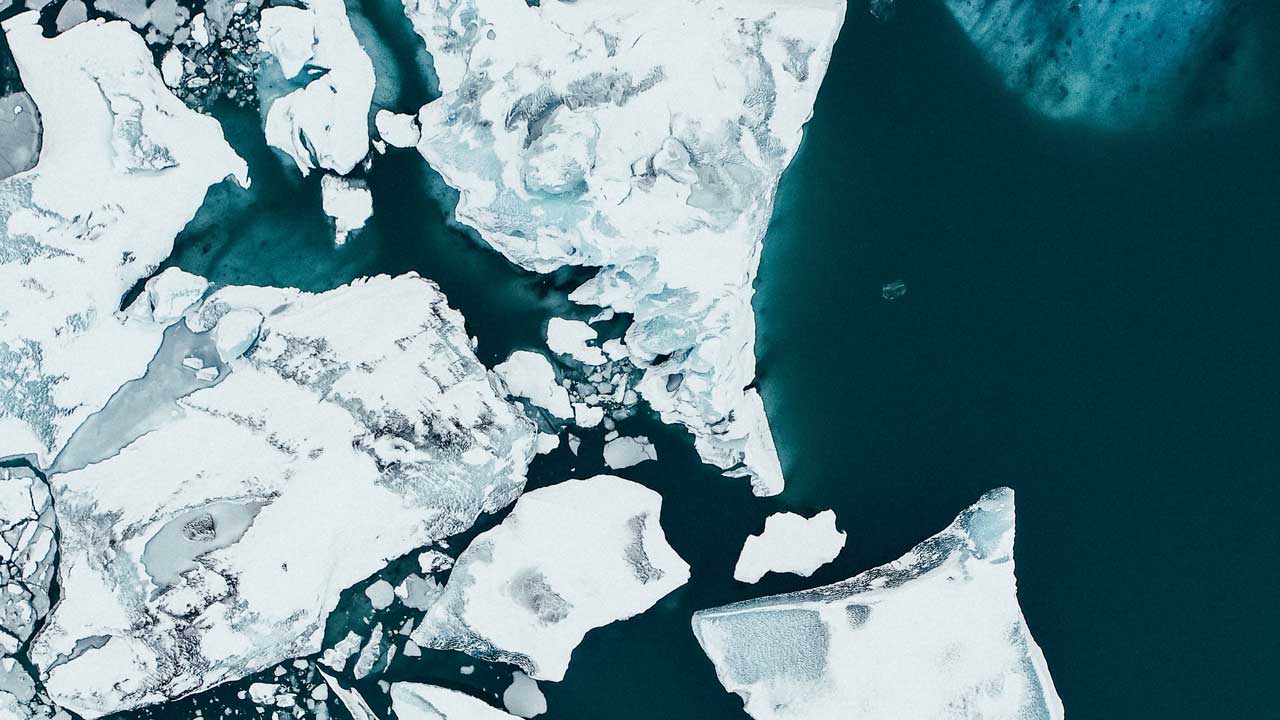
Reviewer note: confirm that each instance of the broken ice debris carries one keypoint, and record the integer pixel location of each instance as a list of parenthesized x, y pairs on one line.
[(934, 635), (349, 203), (569, 558), (893, 290), (529, 375), (623, 452), (412, 701), (790, 543)]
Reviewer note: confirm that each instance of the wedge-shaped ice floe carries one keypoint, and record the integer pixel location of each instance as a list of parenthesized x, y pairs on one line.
[(934, 635), (571, 557), (216, 544), (646, 138), (124, 166), (413, 701), (325, 123)]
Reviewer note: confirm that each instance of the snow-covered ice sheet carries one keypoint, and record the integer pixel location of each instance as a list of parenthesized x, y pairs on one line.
[(344, 437), (531, 376), (326, 123), (646, 138), (790, 543), (569, 558), (350, 204), (934, 635), (123, 167)]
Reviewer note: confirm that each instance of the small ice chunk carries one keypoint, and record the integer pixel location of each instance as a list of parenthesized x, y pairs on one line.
[(433, 561), (412, 701), (790, 543), (523, 698), (614, 349), (337, 656), (398, 130), (418, 592), (208, 374), (624, 452), (380, 594), (605, 314), (574, 443), (236, 332), (349, 204), (200, 29), (586, 416), (173, 292), (546, 442), (171, 67), (350, 698), (570, 337), (467, 669), (264, 693), (530, 375), (893, 290), (193, 363)]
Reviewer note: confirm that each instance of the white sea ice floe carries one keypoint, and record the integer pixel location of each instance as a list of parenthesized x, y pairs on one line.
[(934, 635), (412, 701), (398, 130), (344, 437), (380, 594), (27, 551), (571, 337), (546, 442), (586, 416), (569, 558), (623, 452), (324, 124), (171, 68), (790, 543), (351, 699), (645, 138), (348, 203), (236, 332), (522, 697), (123, 167), (529, 375), (171, 293)]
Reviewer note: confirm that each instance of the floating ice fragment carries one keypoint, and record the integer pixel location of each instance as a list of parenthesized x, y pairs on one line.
[(934, 635), (569, 558), (428, 702), (523, 698), (236, 332), (398, 130), (623, 452), (530, 375), (380, 594), (790, 543), (349, 204), (570, 337), (893, 290)]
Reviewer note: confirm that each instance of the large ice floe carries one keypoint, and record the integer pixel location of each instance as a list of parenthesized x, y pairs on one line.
[(1121, 65), (325, 123), (337, 437), (645, 138), (571, 557), (934, 635), (123, 167)]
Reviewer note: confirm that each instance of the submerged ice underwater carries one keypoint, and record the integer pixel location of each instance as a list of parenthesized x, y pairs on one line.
[(382, 360)]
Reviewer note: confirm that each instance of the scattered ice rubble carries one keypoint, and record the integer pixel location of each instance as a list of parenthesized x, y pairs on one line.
[(647, 139), (790, 543), (1122, 66), (569, 558), (124, 166), (934, 635)]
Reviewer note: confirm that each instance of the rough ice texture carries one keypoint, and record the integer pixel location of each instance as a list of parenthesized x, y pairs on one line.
[(790, 543), (124, 166), (569, 558), (27, 550), (217, 544), (934, 635), (412, 701), (349, 204), (530, 375), (1125, 64), (646, 138), (326, 123)]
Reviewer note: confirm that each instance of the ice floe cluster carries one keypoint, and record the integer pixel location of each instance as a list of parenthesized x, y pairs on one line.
[(600, 134)]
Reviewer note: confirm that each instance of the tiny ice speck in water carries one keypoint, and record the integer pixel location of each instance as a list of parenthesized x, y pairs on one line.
[(893, 290)]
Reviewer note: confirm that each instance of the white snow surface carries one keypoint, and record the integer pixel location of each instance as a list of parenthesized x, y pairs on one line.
[(790, 543), (934, 635), (412, 701), (326, 123), (646, 138), (349, 204), (569, 558), (123, 167), (530, 375), (571, 337), (216, 545)]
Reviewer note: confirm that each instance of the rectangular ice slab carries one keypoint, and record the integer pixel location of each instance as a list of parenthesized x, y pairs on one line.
[(934, 635)]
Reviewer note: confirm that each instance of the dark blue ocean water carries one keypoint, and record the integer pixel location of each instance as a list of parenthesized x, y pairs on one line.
[(1090, 319)]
